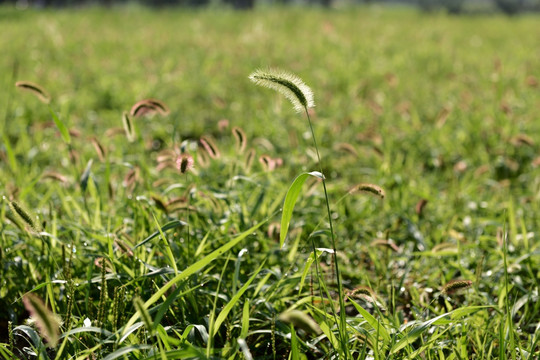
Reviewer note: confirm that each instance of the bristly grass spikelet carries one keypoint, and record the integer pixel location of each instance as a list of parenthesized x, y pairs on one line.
[(369, 189), (249, 158), (455, 285), (147, 320), (46, 320), (301, 320), (363, 292), (291, 86), (240, 137), (35, 89), (184, 163), (128, 127), (24, 215), (210, 146), (149, 107), (389, 244)]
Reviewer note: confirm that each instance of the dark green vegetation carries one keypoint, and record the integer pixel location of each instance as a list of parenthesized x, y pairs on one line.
[(440, 112)]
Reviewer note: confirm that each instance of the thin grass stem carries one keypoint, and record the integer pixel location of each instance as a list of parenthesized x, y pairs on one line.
[(342, 316)]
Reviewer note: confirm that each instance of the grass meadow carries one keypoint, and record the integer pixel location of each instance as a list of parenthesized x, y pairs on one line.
[(112, 247)]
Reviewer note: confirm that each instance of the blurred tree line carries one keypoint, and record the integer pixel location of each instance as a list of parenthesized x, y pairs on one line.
[(509, 7)]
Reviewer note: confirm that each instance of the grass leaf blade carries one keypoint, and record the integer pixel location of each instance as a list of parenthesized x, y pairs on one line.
[(61, 127), (290, 201)]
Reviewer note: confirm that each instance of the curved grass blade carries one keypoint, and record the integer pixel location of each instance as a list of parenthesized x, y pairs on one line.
[(126, 350), (290, 201), (82, 329), (170, 225), (128, 330)]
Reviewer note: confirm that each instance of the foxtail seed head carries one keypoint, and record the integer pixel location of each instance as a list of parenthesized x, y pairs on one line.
[(455, 285), (184, 163), (149, 107), (369, 189), (24, 216), (47, 322), (291, 86), (35, 89)]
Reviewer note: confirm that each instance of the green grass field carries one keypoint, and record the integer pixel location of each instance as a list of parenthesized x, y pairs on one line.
[(127, 257)]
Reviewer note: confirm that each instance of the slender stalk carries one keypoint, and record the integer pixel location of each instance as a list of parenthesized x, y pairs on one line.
[(342, 316), (188, 219)]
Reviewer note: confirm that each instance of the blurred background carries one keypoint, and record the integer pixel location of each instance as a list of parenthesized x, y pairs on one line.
[(510, 7)]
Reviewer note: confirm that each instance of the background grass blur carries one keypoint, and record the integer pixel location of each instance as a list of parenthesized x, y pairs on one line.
[(428, 106)]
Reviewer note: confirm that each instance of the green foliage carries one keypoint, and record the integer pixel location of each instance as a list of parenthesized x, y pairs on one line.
[(440, 112)]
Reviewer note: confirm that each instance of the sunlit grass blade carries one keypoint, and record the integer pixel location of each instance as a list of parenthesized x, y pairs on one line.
[(245, 320), (374, 323), (295, 352), (290, 201), (245, 349)]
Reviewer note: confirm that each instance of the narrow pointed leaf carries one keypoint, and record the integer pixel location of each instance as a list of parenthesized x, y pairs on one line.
[(290, 201), (61, 127)]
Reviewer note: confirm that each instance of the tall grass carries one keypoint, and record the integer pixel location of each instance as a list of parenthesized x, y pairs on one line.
[(140, 259)]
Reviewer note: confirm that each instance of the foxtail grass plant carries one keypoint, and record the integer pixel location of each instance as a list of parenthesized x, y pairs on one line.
[(302, 99)]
